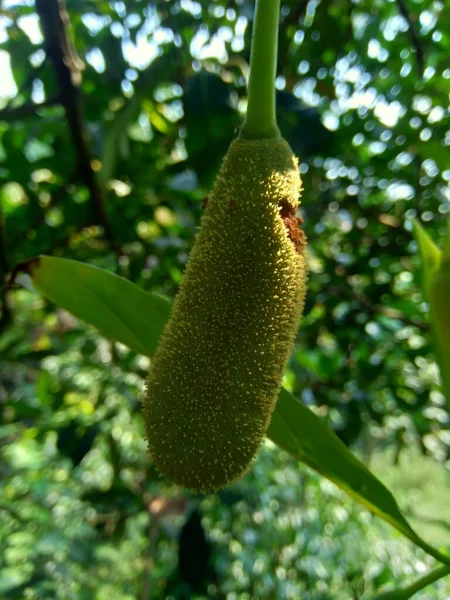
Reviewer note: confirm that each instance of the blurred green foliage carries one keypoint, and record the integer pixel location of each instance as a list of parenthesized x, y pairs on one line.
[(364, 103)]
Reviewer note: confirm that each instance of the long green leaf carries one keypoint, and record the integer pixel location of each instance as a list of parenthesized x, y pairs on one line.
[(440, 319), (296, 429), (118, 308), (419, 585), (430, 256), (436, 289), (122, 311)]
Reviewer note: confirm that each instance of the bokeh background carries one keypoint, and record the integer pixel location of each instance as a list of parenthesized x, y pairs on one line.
[(108, 160)]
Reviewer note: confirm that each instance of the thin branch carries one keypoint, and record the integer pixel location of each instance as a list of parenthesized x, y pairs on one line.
[(55, 199), (67, 67), (377, 309), (292, 19), (414, 36), (25, 85), (29, 109), (23, 267)]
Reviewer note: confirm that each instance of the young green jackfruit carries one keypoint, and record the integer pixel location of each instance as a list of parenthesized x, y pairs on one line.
[(216, 375)]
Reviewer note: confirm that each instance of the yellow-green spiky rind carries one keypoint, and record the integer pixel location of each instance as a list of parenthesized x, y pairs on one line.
[(216, 375)]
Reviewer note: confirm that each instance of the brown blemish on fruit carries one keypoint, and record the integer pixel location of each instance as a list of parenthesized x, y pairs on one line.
[(291, 222)]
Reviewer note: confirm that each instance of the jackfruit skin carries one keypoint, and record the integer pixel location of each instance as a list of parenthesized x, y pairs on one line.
[(216, 375)]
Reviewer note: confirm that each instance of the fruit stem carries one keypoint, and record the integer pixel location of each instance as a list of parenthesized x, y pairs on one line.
[(260, 121)]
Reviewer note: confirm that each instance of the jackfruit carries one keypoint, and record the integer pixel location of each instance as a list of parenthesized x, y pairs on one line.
[(216, 375)]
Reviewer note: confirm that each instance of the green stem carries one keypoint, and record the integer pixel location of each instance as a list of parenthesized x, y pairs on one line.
[(260, 121), (417, 586)]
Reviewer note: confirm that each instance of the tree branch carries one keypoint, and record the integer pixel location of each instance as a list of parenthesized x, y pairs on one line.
[(67, 67), (55, 199), (293, 17), (378, 309), (13, 113), (11, 104), (414, 36), (296, 12)]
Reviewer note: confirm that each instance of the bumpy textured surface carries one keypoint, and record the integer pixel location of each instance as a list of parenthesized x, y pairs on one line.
[(216, 375)]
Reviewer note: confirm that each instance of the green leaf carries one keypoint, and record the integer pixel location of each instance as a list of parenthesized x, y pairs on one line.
[(446, 245), (430, 257), (296, 429), (420, 584), (122, 311), (118, 308), (436, 289), (440, 319)]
